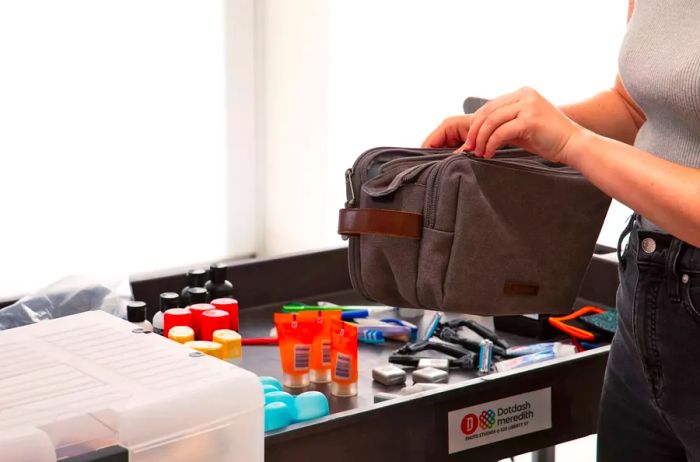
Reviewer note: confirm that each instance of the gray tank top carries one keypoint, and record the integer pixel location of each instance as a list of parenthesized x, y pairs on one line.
[(660, 67)]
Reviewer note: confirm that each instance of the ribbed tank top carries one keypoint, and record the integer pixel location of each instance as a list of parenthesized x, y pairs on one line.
[(660, 67)]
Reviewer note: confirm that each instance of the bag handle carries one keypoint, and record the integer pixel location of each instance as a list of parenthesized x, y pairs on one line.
[(380, 222)]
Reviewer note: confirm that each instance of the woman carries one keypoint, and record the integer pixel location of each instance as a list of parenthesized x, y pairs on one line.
[(641, 147)]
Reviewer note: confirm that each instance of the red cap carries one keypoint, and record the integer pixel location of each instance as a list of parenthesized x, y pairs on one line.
[(229, 305), (197, 309), (213, 320), (176, 317)]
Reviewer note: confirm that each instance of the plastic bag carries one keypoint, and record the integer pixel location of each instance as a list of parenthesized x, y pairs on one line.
[(70, 295)]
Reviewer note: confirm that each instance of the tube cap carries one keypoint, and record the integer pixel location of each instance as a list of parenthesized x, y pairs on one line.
[(230, 340), (295, 380), (197, 277), (211, 321), (197, 309), (181, 334), (210, 348), (343, 389), (197, 295), (231, 306), (217, 273), (169, 300), (176, 317), (136, 311)]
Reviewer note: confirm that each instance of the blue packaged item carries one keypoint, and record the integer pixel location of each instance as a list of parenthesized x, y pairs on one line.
[(277, 415), (311, 405), (267, 380)]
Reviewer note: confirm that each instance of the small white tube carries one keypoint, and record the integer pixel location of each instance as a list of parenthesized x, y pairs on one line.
[(559, 350)]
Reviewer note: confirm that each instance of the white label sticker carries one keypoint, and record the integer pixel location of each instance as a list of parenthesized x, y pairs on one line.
[(343, 364), (499, 420), (326, 353), (302, 354)]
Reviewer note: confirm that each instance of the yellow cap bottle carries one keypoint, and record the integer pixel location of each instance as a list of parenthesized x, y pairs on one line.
[(231, 341), (181, 334), (211, 348)]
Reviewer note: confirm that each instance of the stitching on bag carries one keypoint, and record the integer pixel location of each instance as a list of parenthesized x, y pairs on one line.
[(452, 244)]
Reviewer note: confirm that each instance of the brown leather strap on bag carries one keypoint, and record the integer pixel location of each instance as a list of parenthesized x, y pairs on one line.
[(380, 222)]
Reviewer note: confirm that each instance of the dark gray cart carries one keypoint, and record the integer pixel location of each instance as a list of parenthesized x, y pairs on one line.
[(412, 428)]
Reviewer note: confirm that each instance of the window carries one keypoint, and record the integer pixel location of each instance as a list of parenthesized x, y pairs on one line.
[(114, 139)]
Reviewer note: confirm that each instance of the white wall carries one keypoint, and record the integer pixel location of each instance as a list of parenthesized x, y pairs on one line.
[(393, 69), (296, 117)]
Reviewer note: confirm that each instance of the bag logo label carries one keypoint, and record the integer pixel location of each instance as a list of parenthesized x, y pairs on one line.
[(499, 420), (521, 288)]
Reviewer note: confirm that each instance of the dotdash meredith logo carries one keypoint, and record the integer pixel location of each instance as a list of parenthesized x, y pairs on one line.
[(487, 419)]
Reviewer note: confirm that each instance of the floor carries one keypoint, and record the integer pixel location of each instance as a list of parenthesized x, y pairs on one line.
[(582, 450)]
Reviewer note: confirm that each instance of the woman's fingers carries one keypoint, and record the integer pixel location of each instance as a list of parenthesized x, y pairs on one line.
[(495, 119), (510, 131), (451, 132), (485, 111)]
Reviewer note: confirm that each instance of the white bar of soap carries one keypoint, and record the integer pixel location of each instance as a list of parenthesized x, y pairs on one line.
[(430, 375), (389, 375)]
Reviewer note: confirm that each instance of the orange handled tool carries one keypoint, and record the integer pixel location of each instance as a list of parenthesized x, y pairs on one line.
[(559, 322)]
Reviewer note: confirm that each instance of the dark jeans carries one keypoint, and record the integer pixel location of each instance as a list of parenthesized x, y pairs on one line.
[(650, 407)]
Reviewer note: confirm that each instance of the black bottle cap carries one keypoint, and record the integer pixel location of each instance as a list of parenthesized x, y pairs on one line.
[(217, 273), (136, 311), (169, 300), (197, 277), (197, 295)]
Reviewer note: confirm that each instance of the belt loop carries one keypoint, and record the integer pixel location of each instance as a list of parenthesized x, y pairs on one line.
[(674, 251), (625, 233)]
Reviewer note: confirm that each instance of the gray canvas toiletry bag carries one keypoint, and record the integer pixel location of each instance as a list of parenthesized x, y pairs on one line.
[(441, 231)]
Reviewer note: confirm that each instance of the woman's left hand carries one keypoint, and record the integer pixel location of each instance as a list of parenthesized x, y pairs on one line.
[(525, 119)]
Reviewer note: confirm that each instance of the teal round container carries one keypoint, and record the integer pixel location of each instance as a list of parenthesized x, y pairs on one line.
[(267, 380), (310, 405), (281, 397), (269, 389), (277, 415)]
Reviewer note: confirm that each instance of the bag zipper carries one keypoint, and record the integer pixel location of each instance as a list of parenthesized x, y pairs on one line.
[(354, 178), (505, 160)]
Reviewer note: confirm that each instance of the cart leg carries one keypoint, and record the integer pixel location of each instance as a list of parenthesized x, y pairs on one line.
[(544, 455)]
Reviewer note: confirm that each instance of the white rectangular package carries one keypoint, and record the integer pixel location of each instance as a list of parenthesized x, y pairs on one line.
[(76, 384)]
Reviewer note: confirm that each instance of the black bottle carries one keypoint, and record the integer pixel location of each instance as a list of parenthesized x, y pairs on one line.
[(136, 314), (217, 285), (197, 295), (195, 278), (167, 300)]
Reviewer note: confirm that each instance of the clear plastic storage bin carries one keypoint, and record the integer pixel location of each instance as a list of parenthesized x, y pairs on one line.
[(74, 385)]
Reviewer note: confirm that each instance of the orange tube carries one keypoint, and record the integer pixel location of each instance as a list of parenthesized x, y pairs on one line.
[(343, 358), (321, 347), (296, 337)]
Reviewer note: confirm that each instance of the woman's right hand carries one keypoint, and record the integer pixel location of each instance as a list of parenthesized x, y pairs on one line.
[(452, 133)]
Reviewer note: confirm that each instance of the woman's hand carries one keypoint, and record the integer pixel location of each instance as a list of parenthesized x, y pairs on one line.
[(525, 119), (450, 134)]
